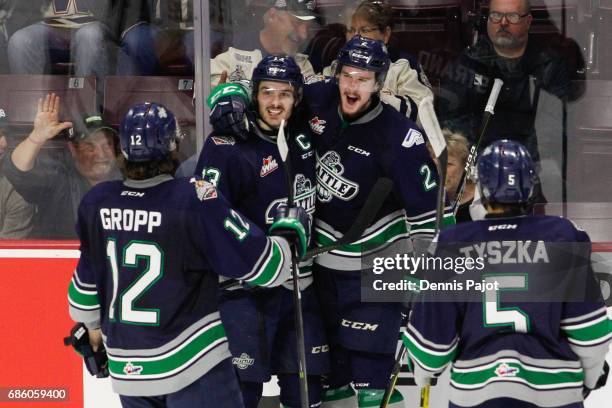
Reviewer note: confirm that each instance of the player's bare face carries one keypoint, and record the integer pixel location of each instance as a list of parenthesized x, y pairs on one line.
[(356, 88), (94, 157), (275, 101), (504, 34)]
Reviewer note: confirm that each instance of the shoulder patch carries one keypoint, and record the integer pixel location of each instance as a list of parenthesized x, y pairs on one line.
[(413, 137), (223, 140), (204, 190)]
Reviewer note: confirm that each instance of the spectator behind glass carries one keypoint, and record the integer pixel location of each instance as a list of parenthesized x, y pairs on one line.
[(144, 43), (56, 185), (285, 31), (458, 151), (69, 31), (526, 67), (406, 83), (16, 215)]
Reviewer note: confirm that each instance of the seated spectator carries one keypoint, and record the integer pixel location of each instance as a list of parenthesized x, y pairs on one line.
[(526, 67), (16, 214), (406, 83), (68, 32), (144, 45), (56, 186), (285, 30)]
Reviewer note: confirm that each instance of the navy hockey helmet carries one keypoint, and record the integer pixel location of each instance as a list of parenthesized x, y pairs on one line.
[(280, 68), (506, 173), (364, 53), (148, 132)]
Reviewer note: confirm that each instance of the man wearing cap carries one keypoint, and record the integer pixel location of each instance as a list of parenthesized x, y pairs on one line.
[(285, 30), (56, 186), (15, 213)]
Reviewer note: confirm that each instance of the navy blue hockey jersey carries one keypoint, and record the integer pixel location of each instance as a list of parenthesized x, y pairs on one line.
[(151, 251), (518, 341), (251, 175), (350, 159)]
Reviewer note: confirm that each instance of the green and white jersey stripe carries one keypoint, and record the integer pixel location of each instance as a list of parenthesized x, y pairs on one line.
[(168, 368), (389, 230), (84, 305), (273, 267), (588, 330), (425, 224), (429, 356), (544, 382)]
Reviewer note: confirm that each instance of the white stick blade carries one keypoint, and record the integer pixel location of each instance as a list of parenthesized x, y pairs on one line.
[(281, 141), (430, 123)]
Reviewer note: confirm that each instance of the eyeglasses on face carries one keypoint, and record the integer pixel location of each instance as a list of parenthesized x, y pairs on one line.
[(363, 31), (513, 18)]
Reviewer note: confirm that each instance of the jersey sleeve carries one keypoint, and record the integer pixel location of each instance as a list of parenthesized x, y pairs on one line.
[(406, 85), (416, 182), (586, 325), (83, 300), (233, 244), (432, 337), (220, 163)]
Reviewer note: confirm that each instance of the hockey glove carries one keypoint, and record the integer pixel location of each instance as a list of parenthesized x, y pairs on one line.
[(229, 110), (292, 223), (95, 361), (601, 381)]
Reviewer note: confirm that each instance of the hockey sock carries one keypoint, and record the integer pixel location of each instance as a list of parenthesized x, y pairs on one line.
[(373, 398), (343, 397)]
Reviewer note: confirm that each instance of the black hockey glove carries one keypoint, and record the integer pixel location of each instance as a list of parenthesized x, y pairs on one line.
[(601, 381), (292, 223), (96, 362), (229, 110)]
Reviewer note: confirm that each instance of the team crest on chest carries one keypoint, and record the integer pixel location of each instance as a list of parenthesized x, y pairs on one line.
[(317, 125), (304, 196), (268, 166), (330, 182)]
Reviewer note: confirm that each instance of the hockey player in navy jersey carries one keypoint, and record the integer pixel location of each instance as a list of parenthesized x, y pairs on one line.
[(358, 140), (248, 170), (522, 345), (146, 282)]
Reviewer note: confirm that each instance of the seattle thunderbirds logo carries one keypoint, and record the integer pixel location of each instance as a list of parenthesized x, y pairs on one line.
[(304, 197), (330, 182)]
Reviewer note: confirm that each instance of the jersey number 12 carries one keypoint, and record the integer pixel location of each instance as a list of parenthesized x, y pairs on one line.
[(133, 253)]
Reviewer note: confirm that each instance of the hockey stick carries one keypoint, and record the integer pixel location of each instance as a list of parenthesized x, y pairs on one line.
[(489, 111), (283, 150), (364, 219), (366, 216), (436, 139)]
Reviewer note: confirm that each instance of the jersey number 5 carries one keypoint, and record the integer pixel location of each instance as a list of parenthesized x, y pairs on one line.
[(133, 253), (494, 315)]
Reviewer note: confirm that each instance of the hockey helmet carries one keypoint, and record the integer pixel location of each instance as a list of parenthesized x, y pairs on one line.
[(364, 53), (148, 132), (280, 68), (506, 173)]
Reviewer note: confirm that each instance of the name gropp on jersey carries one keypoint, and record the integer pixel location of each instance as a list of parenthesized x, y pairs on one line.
[(330, 182), (305, 197)]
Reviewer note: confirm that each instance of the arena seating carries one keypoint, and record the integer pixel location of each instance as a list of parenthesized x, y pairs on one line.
[(176, 93), (20, 94)]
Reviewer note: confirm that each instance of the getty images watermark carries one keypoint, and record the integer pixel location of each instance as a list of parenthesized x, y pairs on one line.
[(513, 271)]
